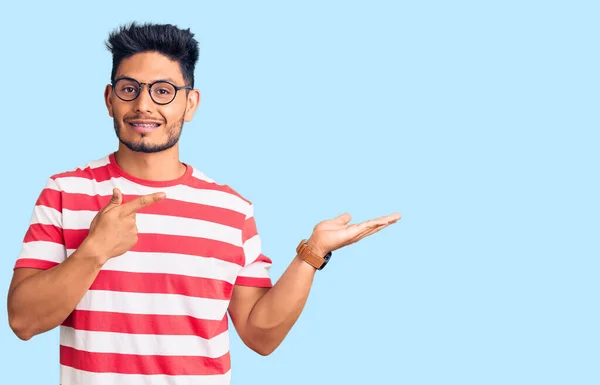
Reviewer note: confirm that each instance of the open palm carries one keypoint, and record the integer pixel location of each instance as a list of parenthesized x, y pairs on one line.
[(332, 234)]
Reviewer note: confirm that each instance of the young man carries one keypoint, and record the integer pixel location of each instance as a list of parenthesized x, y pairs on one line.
[(138, 257)]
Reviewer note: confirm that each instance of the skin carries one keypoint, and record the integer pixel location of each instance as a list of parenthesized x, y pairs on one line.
[(40, 300)]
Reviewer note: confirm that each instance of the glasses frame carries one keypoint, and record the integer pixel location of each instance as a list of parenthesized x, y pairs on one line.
[(150, 85)]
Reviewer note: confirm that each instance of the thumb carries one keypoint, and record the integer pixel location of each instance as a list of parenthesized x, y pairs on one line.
[(116, 200), (342, 219)]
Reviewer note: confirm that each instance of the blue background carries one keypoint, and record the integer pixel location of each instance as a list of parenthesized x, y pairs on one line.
[(477, 121)]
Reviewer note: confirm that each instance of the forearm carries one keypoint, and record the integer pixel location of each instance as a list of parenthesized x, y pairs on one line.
[(278, 310), (42, 301)]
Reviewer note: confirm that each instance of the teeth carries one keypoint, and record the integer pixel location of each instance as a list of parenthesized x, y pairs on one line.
[(144, 125)]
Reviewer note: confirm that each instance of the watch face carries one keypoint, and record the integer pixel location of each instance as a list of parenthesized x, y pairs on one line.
[(326, 257)]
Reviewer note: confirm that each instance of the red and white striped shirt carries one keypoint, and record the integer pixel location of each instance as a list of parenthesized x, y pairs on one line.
[(158, 313)]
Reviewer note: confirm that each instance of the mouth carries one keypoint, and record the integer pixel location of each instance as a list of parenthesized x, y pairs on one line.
[(143, 126)]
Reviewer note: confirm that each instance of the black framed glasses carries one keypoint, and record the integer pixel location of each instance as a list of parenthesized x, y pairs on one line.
[(161, 92)]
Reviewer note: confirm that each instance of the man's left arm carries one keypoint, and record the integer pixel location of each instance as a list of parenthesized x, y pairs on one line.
[(263, 316)]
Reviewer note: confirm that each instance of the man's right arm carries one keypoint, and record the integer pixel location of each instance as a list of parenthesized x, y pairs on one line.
[(40, 300)]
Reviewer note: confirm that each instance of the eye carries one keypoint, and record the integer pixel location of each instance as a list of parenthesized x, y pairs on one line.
[(163, 91)]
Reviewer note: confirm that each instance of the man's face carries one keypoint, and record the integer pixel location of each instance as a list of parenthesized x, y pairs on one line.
[(142, 125)]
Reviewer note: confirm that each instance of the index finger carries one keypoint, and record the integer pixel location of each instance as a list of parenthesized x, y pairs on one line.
[(385, 219), (141, 202)]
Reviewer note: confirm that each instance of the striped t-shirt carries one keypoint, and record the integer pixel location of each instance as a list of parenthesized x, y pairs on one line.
[(158, 313)]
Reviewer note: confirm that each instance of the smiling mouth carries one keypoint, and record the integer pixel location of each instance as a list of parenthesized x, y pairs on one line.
[(148, 125), (144, 126)]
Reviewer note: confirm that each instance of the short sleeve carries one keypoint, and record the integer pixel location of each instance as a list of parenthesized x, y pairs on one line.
[(43, 245), (256, 266)]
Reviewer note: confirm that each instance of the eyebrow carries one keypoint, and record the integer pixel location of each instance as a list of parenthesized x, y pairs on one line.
[(155, 80), (166, 80)]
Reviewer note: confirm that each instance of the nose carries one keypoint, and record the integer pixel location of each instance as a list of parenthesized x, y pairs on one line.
[(144, 103)]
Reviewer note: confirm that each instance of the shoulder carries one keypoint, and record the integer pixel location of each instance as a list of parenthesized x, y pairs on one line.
[(220, 191), (69, 184), (93, 170), (97, 170)]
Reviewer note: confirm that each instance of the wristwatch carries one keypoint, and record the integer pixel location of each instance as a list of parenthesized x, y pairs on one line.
[(308, 256)]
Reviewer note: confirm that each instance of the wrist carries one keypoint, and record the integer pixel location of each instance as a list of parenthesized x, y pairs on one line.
[(313, 254), (90, 250), (315, 248)]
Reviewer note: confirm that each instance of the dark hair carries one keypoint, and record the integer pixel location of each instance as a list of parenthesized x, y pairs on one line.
[(175, 43)]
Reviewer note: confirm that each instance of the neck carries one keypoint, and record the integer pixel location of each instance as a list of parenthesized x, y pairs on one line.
[(158, 166)]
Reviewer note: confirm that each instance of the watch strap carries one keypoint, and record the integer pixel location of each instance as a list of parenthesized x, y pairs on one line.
[(307, 255)]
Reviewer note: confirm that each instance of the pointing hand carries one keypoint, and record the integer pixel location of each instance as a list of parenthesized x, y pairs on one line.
[(113, 230)]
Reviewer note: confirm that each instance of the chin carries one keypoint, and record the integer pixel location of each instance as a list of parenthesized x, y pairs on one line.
[(147, 146)]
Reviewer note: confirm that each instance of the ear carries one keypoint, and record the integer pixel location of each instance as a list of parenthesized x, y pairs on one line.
[(107, 100), (193, 100)]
